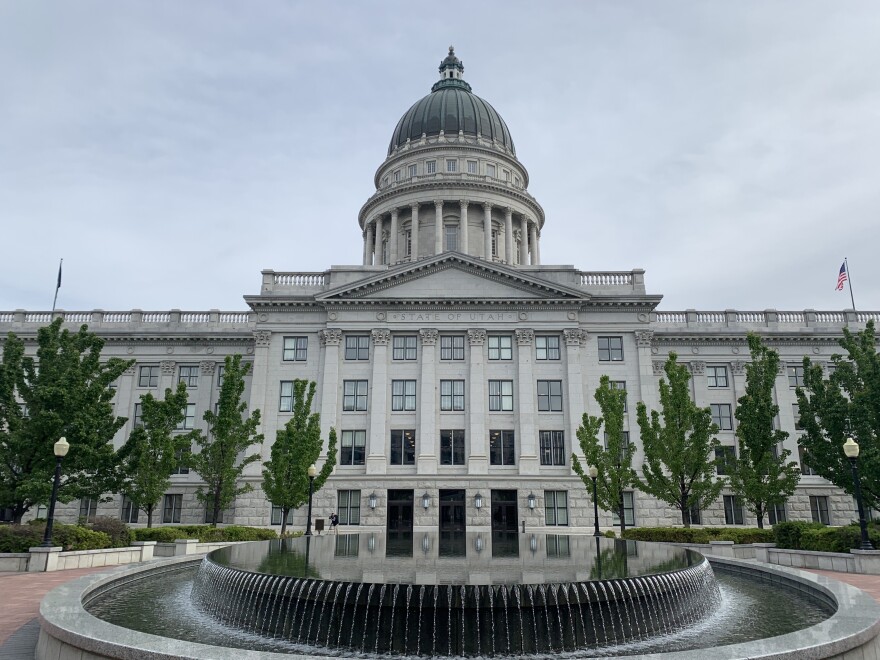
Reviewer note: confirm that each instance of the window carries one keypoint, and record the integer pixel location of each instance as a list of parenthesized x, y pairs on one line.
[(452, 395), (407, 243), (803, 457), (619, 385), (451, 165), (552, 447), (721, 416), (494, 242), (88, 509), (357, 347), (472, 167), (502, 448), (171, 509), (558, 545), (189, 418), (295, 349), (500, 395), (403, 447), (796, 413), (129, 511), (796, 376), (148, 377), (451, 237), (354, 395), (555, 507), (507, 175), (500, 347), (716, 376), (547, 347), (275, 517), (404, 347), (431, 167), (452, 347), (776, 513), (733, 510), (413, 170), (221, 371), (285, 403), (490, 171), (819, 509), (181, 456), (137, 419), (353, 448), (452, 447), (384, 181), (610, 349), (624, 443), (550, 395), (725, 457), (695, 515), (517, 182), (349, 507), (189, 375), (629, 511), (403, 395), (396, 176)]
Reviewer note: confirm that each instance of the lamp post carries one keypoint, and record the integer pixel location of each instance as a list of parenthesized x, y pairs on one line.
[(312, 472), (594, 472), (61, 447), (851, 449)]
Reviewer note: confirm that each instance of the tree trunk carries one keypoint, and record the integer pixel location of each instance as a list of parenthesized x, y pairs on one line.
[(283, 520), (18, 512), (685, 517), (620, 514), (150, 515), (760, 514), (216, 508)]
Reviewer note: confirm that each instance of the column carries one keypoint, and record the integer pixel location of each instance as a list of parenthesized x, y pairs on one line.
[(463, 226), (647, 383), (378, 244), (538, 247), (438, 226), (478, 462), (414, 228), (392, 241), (524, 242), (378, 404), (574, 403), (533, 242), (508, 236), (166, 377), (257, 401), (427, 404), (331, 338), (368, 246), (527, 389), (487, 231)]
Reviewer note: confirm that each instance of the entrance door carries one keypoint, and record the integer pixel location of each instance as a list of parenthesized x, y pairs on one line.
[(452, 511), (400, 511), (504, 512)]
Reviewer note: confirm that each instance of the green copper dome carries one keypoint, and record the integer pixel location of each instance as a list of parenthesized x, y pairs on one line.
[(451, 107)]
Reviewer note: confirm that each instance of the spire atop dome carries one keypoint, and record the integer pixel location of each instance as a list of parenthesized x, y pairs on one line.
[(451, 72)]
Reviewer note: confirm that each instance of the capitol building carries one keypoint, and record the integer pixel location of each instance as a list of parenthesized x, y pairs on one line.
[(453, 362)]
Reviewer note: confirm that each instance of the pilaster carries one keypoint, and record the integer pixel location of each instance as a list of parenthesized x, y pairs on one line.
[(438, 226), (427, 405), (376, 461), (647, 377), (331, 338), (527, 390), (368, 246), (574, 338), (478, 461)]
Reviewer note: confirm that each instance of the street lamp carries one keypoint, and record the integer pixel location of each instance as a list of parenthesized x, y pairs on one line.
[(61, 448), (312, 472), (594, 472), (851, 449)]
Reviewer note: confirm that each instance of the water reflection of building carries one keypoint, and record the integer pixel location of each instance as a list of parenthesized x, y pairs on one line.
[(453, 363)]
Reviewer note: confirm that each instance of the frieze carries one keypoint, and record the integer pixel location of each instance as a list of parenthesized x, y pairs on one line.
[(697, 367), (525, 336), (380, 337), (207, 368), (167, 367), (453, 317), (644, 338), (476, 336), (429, 336), (331, 337), (575, 336), (262, 337)]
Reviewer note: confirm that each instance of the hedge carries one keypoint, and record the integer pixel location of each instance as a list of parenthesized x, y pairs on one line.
[(204, 533), (699, 534), (836, 539), (20, 538), (788, 534)]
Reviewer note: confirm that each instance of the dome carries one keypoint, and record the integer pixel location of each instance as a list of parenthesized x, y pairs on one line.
[(450, 108)]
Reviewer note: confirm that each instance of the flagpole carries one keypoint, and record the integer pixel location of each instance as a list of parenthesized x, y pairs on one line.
[(58, 286), (849, 280)]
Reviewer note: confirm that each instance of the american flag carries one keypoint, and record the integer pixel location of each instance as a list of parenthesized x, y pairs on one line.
[(841, 277)]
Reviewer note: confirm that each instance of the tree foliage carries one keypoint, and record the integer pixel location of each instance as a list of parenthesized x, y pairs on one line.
[(679, 466), (613, 456), (154, 450), (847, 402), (297, 446), (761, 475), (62, 392), (230, 433)]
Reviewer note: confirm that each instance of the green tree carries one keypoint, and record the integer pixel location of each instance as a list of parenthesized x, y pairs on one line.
[(760, 474), (63, 391), (154, 450), (847, 402), (230, 433), (613, 457), (297, 446), (679, 466)]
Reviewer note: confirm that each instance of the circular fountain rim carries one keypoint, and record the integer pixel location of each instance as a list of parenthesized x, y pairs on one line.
[(64, 618)]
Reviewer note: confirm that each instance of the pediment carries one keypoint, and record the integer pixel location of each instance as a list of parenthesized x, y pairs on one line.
[(452, 277)]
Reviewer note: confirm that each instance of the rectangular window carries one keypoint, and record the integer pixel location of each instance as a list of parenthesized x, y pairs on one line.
[(716, 376), (221, 371), (403, 395), (136, 418), (181, 456), (517, 182), (803, 457), (610, 349), (500, 395), (209, 515), (494, 242), (396, 176), (776, 513), (451, 238), (624, 443), (490, 171), (547, 347), (502, 448), (295, 349), (558, 546), (500, 347), (725, 456), (407, 242), (352, 450), (285, 402), (733, 510), (148, 377), (721, 416), (357, 347), (129, 511), (431, 167), (171, 509), (619, 385), (405, 347), (452, 447), (507, 175), (629, 510), (819, 509), (403, 447), (354, 395), (451, 165), (695, 515), (452, 347), (275, 518), (552, 447), (550, 395), (472, 167), (451, 395), (796, 376), (555, 507), (189, 376), (413, 170), (796, 413), (189, 418), (349, 507), (88, 509)]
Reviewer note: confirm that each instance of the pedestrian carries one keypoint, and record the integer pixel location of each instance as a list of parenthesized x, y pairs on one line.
[(334, 520)]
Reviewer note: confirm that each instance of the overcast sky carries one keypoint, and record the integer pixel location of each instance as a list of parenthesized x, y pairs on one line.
[(169, 151)]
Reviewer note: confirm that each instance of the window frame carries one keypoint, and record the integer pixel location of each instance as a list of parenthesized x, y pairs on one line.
[(733, 510), (611, 347), (285, 396), (188, 423), (502, 447), (405, 453), (629, 510), (500, 400), (151, 371), (820, 509), (551, 447), (356, 400), (298, 352), (452, 400), (191, 379), (712, 377), (773, 513), (430, 167), (357, 347), (351, 504), (449, 346), (496, 345), (548, 351), (452, 447), (717, 410), (88, 508), (171, 515), (795, 374), (353, 443), (724, 454), (405, 347), (129, 512), (403, 395), (548, 401), (275, 515), (552, 504)]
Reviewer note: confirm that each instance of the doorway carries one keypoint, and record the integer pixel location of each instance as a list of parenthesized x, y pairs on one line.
[(400, 511), (504, 512), (452, 511)]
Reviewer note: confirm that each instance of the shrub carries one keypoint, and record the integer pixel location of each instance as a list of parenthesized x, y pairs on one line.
[(19, 538), (205, 533), (120, 534), (609, 534), (160, 534), (788, 534), (240, 533), (836, 539), (74, 537), (699, 534)]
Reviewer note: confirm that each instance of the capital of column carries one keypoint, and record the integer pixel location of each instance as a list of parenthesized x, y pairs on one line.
[(574, 336), (331, 337), (380, 336), (509, 212), (262, 337), (207, 367), (464, 203), (476, 336), (659, 367), (697, 368), (644, 338), (167, 366), (525, 336), (414, 207), (738, 368), (438, 204), (487, 207), (429, 336), (393, 214)]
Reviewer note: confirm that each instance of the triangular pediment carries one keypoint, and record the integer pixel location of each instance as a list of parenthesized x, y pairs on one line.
[(452, 277)]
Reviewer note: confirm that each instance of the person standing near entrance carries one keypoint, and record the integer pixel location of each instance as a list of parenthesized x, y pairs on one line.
[(334, 520)]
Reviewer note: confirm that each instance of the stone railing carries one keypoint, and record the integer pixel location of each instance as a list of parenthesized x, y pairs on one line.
[(767, 318), (98, 318)]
